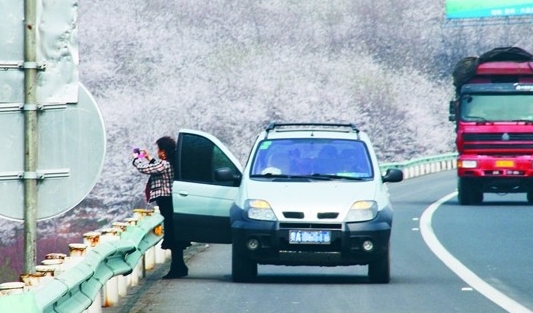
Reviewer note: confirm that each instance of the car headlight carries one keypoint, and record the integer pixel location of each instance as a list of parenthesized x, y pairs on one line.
[(362, 211), (467, 164), (259, 210)]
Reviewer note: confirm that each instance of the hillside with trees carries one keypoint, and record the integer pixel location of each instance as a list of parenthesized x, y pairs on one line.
[(231, 67)]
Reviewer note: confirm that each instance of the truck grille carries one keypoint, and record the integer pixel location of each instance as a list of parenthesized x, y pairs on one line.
[(498, 143), (498, 146), (498, 137)]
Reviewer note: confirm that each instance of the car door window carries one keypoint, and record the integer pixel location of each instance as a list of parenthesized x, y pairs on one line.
[(198, 160)]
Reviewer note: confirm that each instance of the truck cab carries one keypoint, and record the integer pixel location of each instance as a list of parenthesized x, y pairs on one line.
[(493, 114)]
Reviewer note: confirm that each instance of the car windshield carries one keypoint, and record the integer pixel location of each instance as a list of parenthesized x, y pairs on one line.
[(493, 108), (312, 157)]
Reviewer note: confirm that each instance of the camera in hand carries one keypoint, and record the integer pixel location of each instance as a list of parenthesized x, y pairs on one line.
[(140, 155)]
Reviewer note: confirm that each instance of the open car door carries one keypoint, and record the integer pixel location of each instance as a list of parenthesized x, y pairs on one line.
[(201, 202)]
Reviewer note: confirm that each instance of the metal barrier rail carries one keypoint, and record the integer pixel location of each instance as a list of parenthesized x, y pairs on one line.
[(77, 288), (425, 165)]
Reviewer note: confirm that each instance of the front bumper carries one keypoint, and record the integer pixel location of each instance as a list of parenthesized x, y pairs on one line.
[(506, 174), (271, 241)]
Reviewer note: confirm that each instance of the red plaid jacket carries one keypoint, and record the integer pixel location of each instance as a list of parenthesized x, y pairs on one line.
[(161, 176)]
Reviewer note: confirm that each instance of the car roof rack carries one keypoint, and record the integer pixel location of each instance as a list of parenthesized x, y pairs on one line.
[(311, 126)]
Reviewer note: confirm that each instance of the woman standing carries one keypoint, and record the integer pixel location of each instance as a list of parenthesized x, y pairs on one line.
[(161, 173)]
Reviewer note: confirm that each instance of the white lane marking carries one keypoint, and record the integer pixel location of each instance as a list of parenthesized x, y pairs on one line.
[(458, 268)]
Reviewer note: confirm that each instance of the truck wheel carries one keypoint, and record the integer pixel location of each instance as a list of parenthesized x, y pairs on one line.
[(379, 270), (242, 268), (467, 194), (530, 197), (464, 192), (477, 196)]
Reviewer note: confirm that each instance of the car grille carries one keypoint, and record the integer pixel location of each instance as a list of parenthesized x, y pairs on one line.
[(328, 215), (298, 215), (301, 215), (309, 226)]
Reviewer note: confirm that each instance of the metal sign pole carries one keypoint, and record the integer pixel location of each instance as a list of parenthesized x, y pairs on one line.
[(30, 135)]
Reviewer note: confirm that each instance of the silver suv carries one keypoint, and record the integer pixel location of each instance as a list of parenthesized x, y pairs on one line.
[(310, 194)]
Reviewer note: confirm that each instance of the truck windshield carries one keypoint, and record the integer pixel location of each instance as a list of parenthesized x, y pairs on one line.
[(495, 108), (312, 156)]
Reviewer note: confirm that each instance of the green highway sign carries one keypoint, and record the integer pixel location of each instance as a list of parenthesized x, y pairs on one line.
[(460, 9)]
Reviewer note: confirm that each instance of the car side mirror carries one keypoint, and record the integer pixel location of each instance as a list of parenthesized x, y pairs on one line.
[(393, 175), (226, 174)]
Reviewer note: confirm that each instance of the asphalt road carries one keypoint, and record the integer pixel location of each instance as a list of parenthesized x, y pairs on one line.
[(444, 258)]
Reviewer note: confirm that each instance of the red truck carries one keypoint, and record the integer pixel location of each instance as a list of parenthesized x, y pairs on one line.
[(493, 115)]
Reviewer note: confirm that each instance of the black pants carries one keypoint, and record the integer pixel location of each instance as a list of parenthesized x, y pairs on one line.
[(169, 238)]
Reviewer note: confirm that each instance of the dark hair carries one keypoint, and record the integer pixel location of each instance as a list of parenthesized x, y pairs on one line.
[(168, 144)]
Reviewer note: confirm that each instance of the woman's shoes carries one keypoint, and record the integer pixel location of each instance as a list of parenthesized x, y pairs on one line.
[(178, 268), (177, 273)]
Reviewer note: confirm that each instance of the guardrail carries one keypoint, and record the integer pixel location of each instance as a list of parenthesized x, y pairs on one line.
[(81, 281), (424, 165), (103, 268)]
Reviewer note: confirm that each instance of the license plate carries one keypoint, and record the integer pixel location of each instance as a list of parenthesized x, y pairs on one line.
[(309, 236), (505, 163)]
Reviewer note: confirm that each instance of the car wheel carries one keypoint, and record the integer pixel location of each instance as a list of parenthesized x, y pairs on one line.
[(379, 270), (243, 269)]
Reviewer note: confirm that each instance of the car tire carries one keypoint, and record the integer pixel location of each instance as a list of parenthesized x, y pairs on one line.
[(243, 269), (379, 270)]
